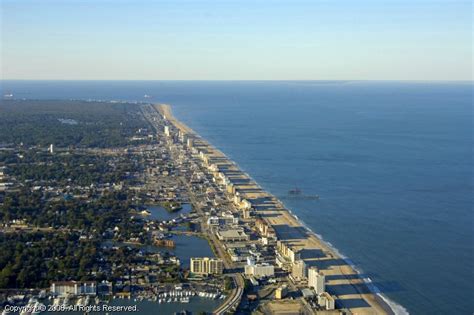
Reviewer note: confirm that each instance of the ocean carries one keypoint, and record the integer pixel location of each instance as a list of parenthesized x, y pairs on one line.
[(391, 161)]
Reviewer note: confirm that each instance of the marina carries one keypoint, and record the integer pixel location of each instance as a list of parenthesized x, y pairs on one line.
[(165, 302)]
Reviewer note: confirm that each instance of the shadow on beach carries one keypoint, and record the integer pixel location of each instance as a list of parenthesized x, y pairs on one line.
[(286, 232), (351, 303)]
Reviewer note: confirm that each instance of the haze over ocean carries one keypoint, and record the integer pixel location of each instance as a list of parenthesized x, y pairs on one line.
[(391, 161)]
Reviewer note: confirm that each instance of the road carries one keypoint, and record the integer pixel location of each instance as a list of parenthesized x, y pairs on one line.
[(233, 300)]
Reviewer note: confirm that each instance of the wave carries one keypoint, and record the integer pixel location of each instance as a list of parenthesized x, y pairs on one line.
[(396, 308)]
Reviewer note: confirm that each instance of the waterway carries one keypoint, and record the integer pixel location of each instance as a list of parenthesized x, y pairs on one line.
[(160, 213)]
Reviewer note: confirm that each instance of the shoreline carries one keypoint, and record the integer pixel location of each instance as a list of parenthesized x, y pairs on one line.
[(291, 229), (391, 307)]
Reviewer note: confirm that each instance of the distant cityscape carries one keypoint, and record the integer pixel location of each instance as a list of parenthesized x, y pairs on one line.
[(103, 196)]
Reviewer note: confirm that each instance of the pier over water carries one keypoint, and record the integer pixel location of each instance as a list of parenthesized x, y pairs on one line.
[(343, 282)]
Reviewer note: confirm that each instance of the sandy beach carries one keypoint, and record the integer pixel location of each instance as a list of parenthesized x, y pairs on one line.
[(343, 281)]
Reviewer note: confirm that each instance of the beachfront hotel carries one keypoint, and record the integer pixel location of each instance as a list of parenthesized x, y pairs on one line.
[(316, 280)]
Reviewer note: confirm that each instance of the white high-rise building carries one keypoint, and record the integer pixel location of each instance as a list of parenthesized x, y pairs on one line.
[(326, 300), (206, 265), (299, 270), (316, 280), (51, 149), (190, 143), (167, 131)]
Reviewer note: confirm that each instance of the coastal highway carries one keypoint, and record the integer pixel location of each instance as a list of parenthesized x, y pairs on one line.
[(234, 299)]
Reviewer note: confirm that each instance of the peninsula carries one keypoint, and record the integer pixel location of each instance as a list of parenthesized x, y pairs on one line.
[(136, 205)]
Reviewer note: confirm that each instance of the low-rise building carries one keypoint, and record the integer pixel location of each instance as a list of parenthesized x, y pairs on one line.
[(260, 270), (233, 235), (226, 219), (213, 220), (307, 293)]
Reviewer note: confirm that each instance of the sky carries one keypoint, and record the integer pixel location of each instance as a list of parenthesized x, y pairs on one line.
[(236, 40)]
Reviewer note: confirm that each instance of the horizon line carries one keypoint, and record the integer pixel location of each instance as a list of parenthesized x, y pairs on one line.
[(255, 80)]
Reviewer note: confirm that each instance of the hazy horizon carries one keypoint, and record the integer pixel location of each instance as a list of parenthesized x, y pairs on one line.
[(236, 40), (249, 80)]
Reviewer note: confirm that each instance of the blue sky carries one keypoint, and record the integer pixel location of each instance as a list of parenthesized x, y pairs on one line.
[(236, 40)]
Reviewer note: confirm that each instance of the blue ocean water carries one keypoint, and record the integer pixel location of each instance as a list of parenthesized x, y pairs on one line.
[(391, 161)]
